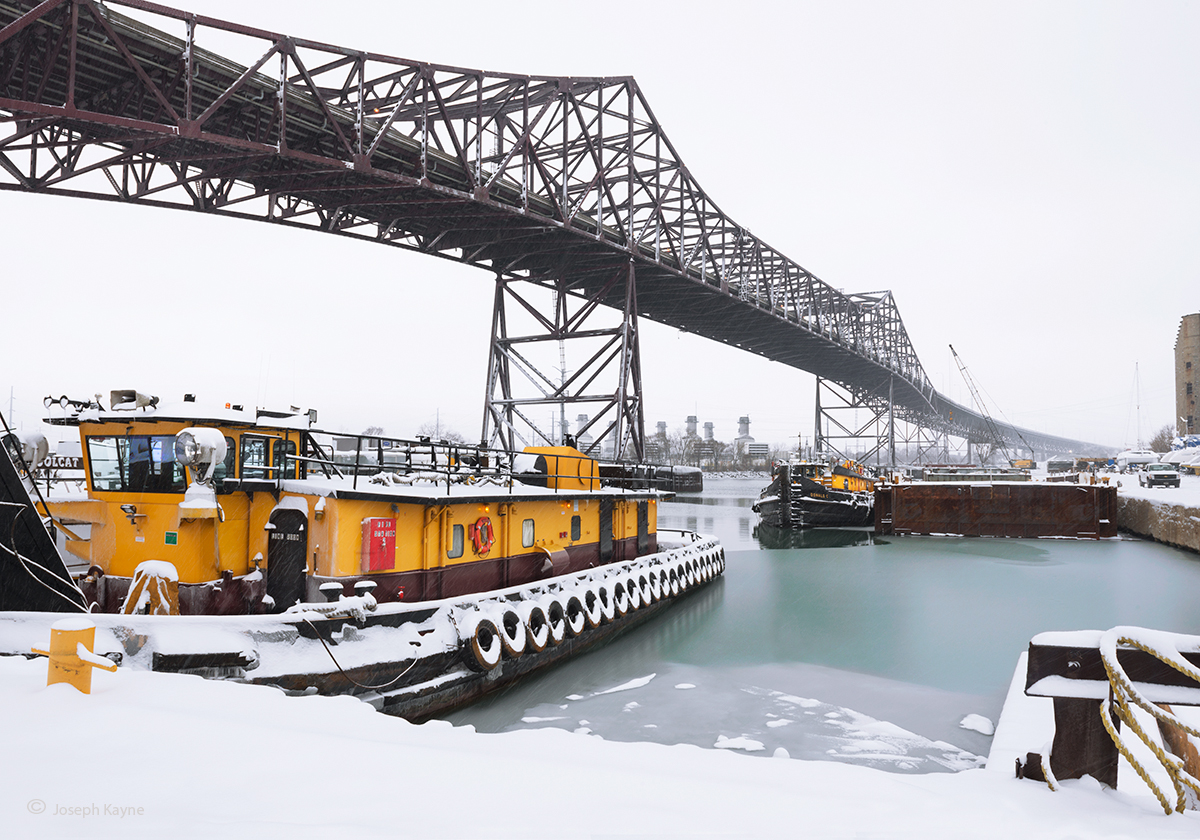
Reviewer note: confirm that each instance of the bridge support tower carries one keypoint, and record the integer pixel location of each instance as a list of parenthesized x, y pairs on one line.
[(867, 427), (525, 376), (859, 425)]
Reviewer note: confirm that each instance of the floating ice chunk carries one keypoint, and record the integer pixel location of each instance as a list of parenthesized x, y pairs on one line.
[(780, 722), (803, 702), (574, 697), (583, 730), (535, 719), (627, 686), (780, 752), (740, 743), (978, 723), (684, 686)]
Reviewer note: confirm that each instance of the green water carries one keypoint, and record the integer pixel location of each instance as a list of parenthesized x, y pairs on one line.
[(946, 612), (915, 631)]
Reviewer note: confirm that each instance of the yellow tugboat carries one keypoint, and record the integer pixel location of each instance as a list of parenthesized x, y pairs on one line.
[(471, 562), (805, 494)]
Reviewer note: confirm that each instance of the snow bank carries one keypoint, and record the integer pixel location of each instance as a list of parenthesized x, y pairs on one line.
[(195, 758)]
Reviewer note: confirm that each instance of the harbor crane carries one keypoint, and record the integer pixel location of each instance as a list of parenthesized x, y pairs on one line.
[(997, 439)]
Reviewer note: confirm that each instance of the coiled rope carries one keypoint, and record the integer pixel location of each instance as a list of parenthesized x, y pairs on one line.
[(1123, 697)]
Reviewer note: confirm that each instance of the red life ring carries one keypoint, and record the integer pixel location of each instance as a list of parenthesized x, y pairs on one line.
[(482, 535)]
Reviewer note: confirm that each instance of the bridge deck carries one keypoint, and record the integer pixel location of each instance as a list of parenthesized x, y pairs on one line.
[(531, 177)]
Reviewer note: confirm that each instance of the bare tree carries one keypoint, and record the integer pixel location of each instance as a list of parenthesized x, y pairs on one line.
[(436, 431), (373, 431), (1161, 442)]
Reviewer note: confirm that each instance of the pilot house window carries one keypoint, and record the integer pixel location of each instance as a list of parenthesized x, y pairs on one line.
[(527, 533), (254, 457), (135, 464)]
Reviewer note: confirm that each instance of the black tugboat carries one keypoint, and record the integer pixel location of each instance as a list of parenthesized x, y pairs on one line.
[(803, 494)]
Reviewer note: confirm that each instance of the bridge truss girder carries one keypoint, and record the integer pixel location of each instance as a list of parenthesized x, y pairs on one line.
[(506, 172)]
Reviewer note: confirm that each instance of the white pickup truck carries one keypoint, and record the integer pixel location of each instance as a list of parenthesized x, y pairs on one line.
[(1164, 474)]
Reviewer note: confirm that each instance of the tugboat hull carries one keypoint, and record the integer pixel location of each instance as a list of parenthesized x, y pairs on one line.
[(410, 660), (793, 500)]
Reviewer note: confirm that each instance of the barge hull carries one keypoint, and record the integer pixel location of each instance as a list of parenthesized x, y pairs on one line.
[(997, 510)]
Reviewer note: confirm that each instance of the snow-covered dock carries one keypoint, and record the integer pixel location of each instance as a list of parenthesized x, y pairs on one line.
[(180, 733)]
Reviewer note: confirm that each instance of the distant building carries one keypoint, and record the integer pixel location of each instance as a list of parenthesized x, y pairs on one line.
[(708, 431), (584, 440), (744, 430), (1187, 373), (690, 425)]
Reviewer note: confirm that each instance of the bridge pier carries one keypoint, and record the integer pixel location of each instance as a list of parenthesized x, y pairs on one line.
[(548, 315), (837, 428)]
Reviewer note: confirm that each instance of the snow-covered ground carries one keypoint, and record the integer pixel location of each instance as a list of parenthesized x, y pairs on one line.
[(1187, 493), (158, 755), (164, 755)]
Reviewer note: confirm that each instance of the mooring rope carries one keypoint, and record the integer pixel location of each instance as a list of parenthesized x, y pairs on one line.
[(347, 676), (1123, 696)]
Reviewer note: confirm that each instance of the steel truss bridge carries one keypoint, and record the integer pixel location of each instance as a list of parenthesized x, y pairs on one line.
[(567, 183)]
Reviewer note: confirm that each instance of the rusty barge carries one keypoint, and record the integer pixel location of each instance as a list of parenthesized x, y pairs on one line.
[(997, 509)]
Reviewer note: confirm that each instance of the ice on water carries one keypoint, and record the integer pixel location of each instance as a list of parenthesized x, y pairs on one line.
[(733, 709)]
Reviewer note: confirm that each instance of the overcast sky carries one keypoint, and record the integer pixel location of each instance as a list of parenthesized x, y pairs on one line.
[(1023, 176)]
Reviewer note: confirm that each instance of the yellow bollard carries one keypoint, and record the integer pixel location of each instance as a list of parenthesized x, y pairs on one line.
[(71, 657)]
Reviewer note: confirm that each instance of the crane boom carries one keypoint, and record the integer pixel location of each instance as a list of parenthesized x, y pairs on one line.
[(997, 439)]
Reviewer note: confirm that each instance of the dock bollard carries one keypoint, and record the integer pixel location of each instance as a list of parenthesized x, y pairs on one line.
[(70, 654)]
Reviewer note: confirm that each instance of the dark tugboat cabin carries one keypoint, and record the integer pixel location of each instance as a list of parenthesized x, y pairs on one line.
[(807, 494)]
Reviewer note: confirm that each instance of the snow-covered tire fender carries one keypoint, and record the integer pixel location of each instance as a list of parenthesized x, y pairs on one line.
[(512, 634), (645, 596), (575, 615), (634, 592), (607, 609), (483, 649), (556, 618), (672, 584), (620, 600), (592, 609), (537, 627), (656, 591)]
